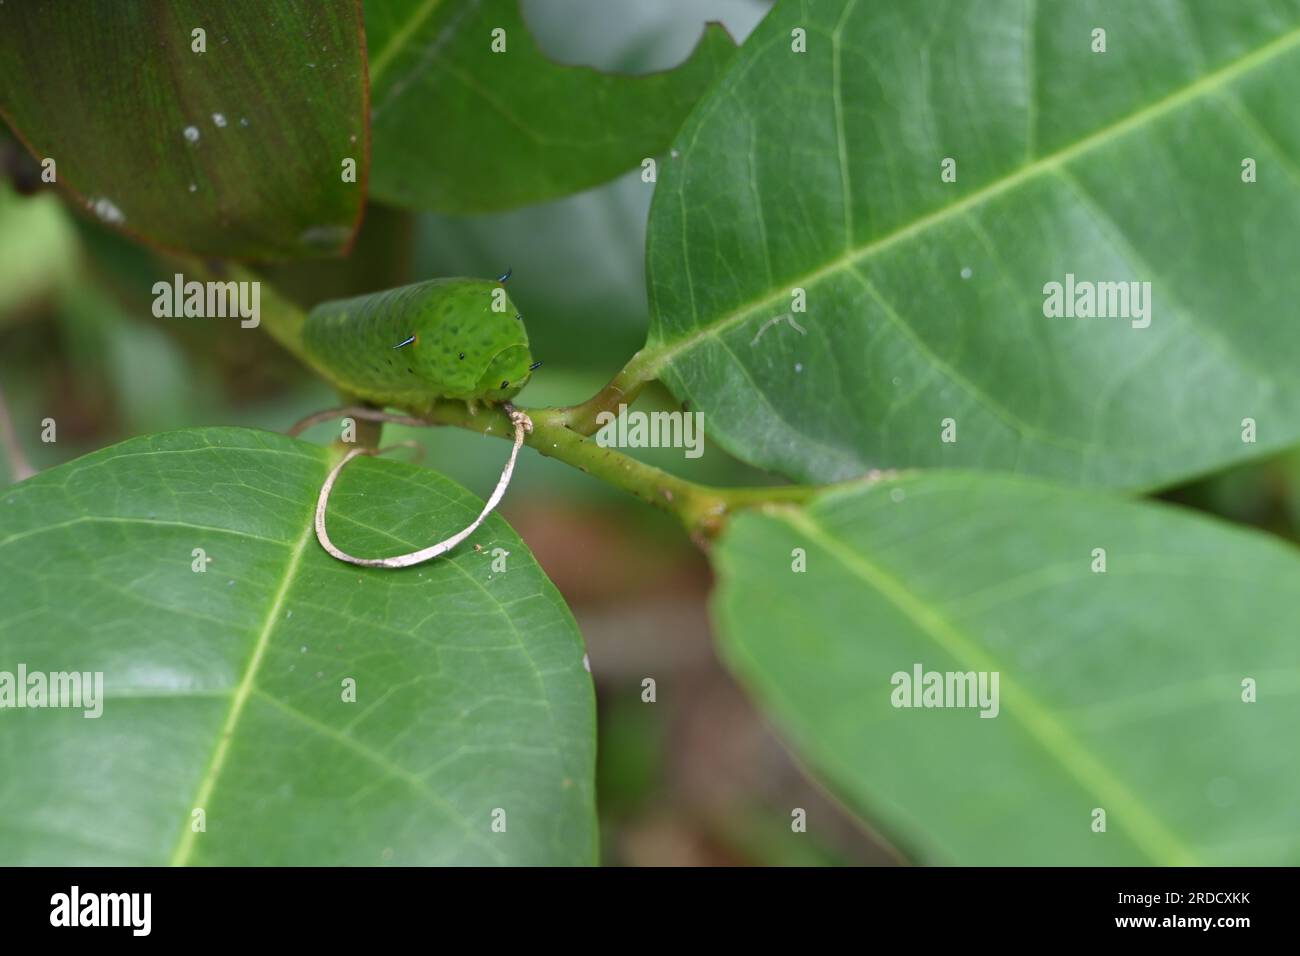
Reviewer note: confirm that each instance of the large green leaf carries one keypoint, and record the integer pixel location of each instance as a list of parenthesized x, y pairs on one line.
[(1120, 690), (237, 151), (224, 688), (821, 171), (460, 128)]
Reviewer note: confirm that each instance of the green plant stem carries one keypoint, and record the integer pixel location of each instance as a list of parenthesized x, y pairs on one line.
[(622, 389), (565, 434), (702, 509)]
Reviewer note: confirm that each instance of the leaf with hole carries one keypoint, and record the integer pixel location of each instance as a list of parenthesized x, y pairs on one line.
[(470, 116)]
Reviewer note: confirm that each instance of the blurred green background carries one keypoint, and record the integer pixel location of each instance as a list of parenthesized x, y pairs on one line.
[(697, 777)]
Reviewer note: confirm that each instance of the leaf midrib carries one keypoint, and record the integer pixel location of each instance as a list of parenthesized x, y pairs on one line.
[(399, 39), (1144, 828), (242, 692), (655, 357)]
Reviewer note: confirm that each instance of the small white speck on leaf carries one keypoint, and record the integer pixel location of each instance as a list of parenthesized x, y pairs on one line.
[(104, 208)]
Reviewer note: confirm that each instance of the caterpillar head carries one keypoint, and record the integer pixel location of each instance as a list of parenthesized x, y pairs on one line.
[(471, 343), (507, 373)]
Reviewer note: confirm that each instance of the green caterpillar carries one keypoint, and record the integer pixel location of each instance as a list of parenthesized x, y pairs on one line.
[(408, 347)]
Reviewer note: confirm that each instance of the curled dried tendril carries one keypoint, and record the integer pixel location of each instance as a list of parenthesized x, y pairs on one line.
[(523, 425)]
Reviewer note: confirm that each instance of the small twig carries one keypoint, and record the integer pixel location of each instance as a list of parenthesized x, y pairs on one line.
[(622, 389), (702, 509), (564, 434)]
